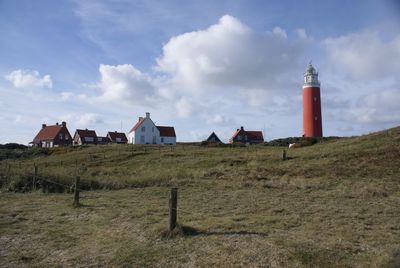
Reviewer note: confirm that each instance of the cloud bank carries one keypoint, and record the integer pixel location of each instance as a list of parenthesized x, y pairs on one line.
[(29, 79)]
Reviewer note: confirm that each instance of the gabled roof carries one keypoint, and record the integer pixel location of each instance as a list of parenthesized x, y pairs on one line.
[(235, 134), (213, 135), (251, 135), (86, 133), (166, 131), (114, 135), (48, 133), (137, 125)]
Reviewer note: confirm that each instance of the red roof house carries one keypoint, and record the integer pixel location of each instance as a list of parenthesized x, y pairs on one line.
[(117, 137), (52, 136), (85, 136), (250, 137)]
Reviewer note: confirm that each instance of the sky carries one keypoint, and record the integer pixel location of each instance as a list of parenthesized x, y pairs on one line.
[(199, 65)]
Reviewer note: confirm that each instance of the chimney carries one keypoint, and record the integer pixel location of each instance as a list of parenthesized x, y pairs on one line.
[(64, 124), (140, 118), (147, 115), (241, 128), (57, 124), (43, 126)]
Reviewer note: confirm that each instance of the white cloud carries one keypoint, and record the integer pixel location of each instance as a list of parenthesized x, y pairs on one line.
[(301, 33), (89, 119), (365, 55), (187, 107), (125, 83), (229, 55), (379, 108), (28, 79), (217, 119), (84, 120)]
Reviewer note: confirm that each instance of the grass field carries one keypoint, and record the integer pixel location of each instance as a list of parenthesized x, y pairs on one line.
[(334, 204)]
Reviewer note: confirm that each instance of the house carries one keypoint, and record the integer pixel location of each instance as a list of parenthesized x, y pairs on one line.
[(102, 140), (213, 138), (85, 136), (117, 137), (52, 136), (146, 132), (167, 135), (248, 137)]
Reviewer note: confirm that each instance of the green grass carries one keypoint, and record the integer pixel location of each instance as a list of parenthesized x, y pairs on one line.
[(334, 204)]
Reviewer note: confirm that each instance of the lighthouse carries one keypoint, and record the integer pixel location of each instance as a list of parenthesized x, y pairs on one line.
[(312, 117)]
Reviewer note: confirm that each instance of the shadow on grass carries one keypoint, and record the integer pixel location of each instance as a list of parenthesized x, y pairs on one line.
[(186, 231)]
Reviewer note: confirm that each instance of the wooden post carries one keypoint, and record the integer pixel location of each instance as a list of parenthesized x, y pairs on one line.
[(173, 204), (76, 192), (35, 173), (284, 155)]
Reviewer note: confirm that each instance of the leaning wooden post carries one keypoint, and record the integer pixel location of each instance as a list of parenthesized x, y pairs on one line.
[(173, 203), (35, 173), (284, 155), (76, 192)]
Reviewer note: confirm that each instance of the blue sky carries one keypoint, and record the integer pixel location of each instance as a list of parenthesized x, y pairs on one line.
[(200, 66)]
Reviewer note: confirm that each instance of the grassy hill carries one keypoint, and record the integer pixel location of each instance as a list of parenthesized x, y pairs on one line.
[(336, 203)]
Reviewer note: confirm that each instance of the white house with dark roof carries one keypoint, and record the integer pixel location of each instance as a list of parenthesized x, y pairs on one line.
[(146, 132)]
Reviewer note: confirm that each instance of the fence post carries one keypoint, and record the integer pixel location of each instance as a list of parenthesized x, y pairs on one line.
[(76, 192), (35, 173), (173, 203), (284, 155)]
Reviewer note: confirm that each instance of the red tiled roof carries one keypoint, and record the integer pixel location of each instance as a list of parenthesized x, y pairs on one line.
[(137, 125), (252, 135), (114, 135), (166, 131), (255, 135), (86, 133), (48, 133)]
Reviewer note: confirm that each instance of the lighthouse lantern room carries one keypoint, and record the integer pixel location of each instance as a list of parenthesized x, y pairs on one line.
[(312, 117)]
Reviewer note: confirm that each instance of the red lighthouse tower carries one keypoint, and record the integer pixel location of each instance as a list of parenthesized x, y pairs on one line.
[(312, 117)]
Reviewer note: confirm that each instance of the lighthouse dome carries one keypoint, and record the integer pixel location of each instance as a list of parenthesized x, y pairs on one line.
[(311, 69), (311, 77)]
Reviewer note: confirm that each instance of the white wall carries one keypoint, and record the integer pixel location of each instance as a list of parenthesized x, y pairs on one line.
[(150, 131), (167, 140)]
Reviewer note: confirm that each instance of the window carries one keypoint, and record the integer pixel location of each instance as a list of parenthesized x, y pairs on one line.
[(239, 138), (89, 139), (315, 99), (143, 129), (316, 118), (154, 139), (162, 139), (141, 139), (60, 136), (66, 136), (152, 129), (118, 139)]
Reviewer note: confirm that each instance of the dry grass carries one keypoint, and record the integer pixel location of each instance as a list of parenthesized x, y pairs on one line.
[(335, 204)]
